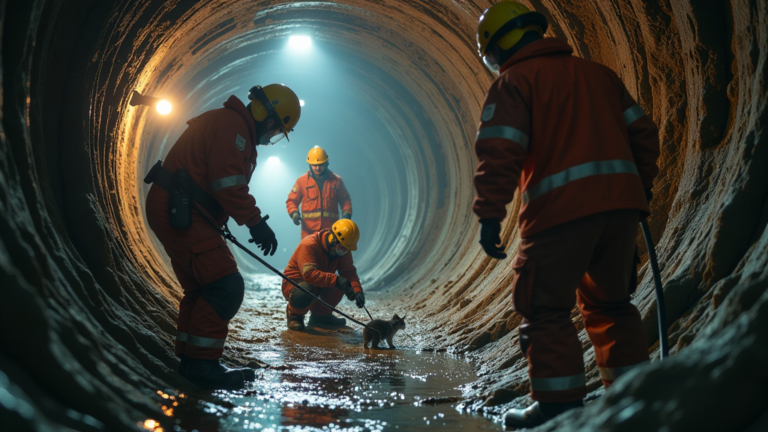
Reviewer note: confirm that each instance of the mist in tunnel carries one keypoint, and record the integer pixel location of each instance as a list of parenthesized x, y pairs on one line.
[(393, 91)]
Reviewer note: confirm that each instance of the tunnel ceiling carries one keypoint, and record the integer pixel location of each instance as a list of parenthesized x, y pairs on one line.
[(94, 296)]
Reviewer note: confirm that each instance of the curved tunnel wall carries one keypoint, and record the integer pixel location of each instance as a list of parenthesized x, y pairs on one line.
[(85, 282)]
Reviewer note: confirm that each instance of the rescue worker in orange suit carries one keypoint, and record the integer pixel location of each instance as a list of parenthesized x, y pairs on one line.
[(313, 266), (212, 162), (319, 192), (567, 133)]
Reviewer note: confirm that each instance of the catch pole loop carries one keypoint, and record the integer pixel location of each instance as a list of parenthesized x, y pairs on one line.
[(224, 231)]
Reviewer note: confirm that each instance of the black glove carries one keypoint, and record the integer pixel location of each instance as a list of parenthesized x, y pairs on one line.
[(263, 236), (648, 195), (346, 287), (346, 215), (490, 239), (360, 300), (296, 218)]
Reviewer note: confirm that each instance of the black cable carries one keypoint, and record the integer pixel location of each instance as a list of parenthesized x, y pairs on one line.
[(661, 309)]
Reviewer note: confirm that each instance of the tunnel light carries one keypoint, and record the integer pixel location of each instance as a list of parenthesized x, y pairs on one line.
[(301, 102), (300, 42), (163, 107), (273, 160)]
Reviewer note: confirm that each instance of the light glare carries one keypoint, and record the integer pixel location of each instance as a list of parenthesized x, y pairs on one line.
[(301, 102), (273, 160), (300, 42), (163, 107)]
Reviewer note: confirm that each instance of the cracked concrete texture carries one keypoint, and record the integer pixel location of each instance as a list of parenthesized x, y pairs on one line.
[(89, 304)]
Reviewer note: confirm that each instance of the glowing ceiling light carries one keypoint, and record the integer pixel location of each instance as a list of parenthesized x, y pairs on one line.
[(273, 160), (300, 42), (301, 102), (163, 107)]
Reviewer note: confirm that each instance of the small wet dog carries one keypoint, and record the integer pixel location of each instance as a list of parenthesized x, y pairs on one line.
[(377, 330)]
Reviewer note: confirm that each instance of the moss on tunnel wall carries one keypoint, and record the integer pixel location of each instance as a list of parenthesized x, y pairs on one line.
[(88, 304)]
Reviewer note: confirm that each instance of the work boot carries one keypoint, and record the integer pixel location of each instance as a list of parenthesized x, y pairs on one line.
[(211, 374), (326, 321), (182, 369), (295, 322), (536, 414)]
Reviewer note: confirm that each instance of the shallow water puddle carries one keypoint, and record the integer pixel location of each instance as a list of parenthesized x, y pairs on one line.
[(324, 380)]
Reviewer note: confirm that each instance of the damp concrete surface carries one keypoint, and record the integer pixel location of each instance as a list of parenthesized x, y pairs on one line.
[(324, 380)]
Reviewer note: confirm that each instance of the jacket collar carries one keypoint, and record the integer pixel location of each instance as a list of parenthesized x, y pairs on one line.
[(542, 47), (236, 104)]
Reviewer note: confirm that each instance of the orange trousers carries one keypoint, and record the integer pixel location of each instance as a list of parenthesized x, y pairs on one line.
[(208, 274), (591, 261), (330, 295)]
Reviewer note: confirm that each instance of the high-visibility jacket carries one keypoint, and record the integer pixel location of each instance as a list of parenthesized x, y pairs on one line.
[(311, 263), (568, 133), (219, 151), (319, 208)]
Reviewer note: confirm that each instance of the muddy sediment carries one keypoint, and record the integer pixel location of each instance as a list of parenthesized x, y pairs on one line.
[(89, 302)]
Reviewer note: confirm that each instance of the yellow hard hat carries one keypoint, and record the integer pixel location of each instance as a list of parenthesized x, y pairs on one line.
[(504, 24), (278, 102), (317, 156), (347, 233)]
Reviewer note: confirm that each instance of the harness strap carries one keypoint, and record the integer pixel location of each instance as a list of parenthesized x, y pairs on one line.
[(169, 181)]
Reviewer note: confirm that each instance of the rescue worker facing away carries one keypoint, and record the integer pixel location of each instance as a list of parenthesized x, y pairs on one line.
[(313, 266), (565, 131), (319, 193), (212, 162)]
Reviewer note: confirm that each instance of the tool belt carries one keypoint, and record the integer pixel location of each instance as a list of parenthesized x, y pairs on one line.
[(182, 191)]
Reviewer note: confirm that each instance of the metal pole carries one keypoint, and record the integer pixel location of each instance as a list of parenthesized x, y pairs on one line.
[(661, 309), (228, 235)]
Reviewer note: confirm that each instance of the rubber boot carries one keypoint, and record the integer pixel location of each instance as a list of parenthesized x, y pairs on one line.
[(326, 321), (211, 374), (295, 322), (536, 414), (182, 369)]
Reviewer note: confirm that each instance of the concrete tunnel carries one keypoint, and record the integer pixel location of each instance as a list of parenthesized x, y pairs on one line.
[(88, 307)]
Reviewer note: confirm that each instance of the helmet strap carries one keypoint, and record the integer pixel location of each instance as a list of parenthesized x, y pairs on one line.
[(528, 37)]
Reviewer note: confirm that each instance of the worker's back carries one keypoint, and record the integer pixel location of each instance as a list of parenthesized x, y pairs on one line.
[(575, 152)]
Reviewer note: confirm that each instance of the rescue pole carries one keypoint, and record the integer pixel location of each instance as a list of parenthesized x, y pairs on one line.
[(224, 232), (661, 309)]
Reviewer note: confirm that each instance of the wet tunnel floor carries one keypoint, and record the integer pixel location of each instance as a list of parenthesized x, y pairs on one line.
[(324, 380)]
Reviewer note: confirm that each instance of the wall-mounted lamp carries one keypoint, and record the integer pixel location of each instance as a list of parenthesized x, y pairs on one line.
[(162, 106)]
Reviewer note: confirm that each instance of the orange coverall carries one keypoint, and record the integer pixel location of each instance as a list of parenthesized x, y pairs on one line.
[(319, 208), (218, 150), (312, 264), (566, 131)]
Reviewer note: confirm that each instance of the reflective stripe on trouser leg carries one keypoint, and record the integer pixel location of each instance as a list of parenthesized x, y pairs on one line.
[(609, 375), (192, 291), (332, 296), (555, 358), (207, 332)]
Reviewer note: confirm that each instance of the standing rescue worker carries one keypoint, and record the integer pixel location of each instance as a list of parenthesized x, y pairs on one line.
[(211, 165), (319, 192), (566, 131), (313, 266)]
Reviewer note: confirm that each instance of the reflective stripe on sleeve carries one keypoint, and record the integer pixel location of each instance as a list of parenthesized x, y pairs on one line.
[(226, 182), (307, 267), (315, 215), (633, 113), (618, 166), (610, 374), (559, 383), (181, 337), (505, 132), (203, 342)]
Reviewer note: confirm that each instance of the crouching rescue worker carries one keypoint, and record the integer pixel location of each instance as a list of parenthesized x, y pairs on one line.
[(320, 193), (208, 170), (566, 131), (313, 266)]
